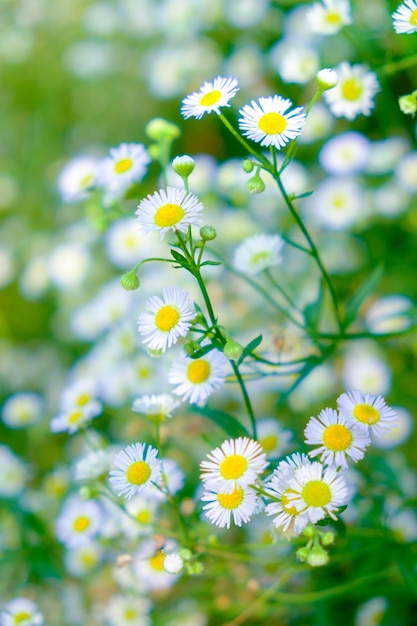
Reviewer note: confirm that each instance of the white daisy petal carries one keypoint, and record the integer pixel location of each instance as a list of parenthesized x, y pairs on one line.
[(137, 469), (196, 379), (222, 506), (258, 253), (370, 412), (353, 95), (125, 165), (21, 611), (170, 209), (211, 97), (405, 18)]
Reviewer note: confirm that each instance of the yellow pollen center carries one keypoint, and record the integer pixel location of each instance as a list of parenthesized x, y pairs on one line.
[(338, 202), (130, 241), (272, 123), (75, 417), (168, 215), (337, 437), (316, 493), (130, 614), (21, 617), (413, 18), (123, 165), (286, 503), (87, 181), (233, 467), (138, 473), (366, 414), (198, 371), (83, 399), (260, 256), (210, 98), (333, 18), (166, 318), (231, 500), (352, 89), (157, 561), (143, 517), (269, 443), (81, 523)]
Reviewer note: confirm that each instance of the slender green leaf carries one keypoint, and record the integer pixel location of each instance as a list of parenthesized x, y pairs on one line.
[(367, 287), (312, 312), (226, 422), (250, 347)]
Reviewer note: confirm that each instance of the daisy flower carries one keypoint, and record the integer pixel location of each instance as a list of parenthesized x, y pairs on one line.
[(371, 412), (21, 611), (77, 177), (93, 466), (317, 491), (81, 394), (237, 463), (128, 610), (287, 516), (82, 560), (196, 379), (240, 503), (354, 92), (22, 409), (156, 407), (273, 438), (270, 123), (170, 209), (137, 468), (211, 97), (72, 419), (78, 522), (258, 253), (405, 18), (167, 319), (337, 438), (148, 565), (125, 165), (329, 16)]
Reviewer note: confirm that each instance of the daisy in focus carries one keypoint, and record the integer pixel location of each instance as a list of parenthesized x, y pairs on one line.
[(156, 408), (137, 469), (337, 438), (370, 412), (258, 253), (269, 122), (126, 164), (211, 97), (196, 379), (329, 16), (237, 463), (353, 95), (166, 319), (405, 18), (240, 503), (21, 611), (78, 522), (170, 209)]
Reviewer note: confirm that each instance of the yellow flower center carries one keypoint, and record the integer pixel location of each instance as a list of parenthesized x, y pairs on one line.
[(88, 559), (260, 256), (143, 517), (83, 399), (286, 503), (130, 241), (272, 123), (231, 500), (166, 318), (21, 617), (198, 371), (168, 215), (366, 414), (338, 202), (130, 614), (269, 443), (210, 98), (316, 493), (123, 165), (138, 473), (74, 417), (87, 181), (352, 89), (233, 467), (157, 561), (413, 18), (333, 18), (81, 523), (337, 437)]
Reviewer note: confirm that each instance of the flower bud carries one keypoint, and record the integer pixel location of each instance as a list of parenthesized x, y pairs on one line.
[(232, 350), (309, 531), (159, 129), (408, 103), (183, 165), (327, 538), (154, 354), (255, 184), (194, 569), (86, 493), (173, 563), (129, 281), (208, 233), (248, 166), (154, 151), (302, 553), (185, 554), (317, 557), (326, 79)]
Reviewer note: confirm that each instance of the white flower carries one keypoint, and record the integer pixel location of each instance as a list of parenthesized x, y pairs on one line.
[(211, 97), (77, 177), (173, 563), (269, 123), (371, 412), (345, 154), (258, 253), (372, 612), (326, 79), (72, 419), (405, 18), (156, 407), (127, 610), (170, 209), (354, 92), (172, 480), (239, 503), (137, 468), (167, 319), (337, 438), (196, 379), (329, 16), (13, 473), (273, 438), (337, 203), (148, 564), (78, 522), (95, 465), (125, 165), (237, 463), (22, 409), (81, 394), (125, 244), (142, 512), (294, 61), (82, 560), (21, 612), (390, 314), (398, 434)]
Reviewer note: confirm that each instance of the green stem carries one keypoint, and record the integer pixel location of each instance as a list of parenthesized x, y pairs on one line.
[(246, 398), (259, 157), (399, 64), (281, 290)]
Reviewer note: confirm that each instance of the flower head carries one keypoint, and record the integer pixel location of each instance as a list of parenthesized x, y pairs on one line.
[(353, 95), (405, 18), (269, 122), (125, 165), (211, 97), (258, 253), (78, 522), (166, 319), (170, 209), (196, 379), (21, 611), (137, 468), (156, 407), (370, 412), (22, 409), (222, 506), (329, 16)]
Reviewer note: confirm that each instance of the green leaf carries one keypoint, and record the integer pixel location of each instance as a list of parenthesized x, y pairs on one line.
[(303, 195), (211, 263), (367, 287), (179, 257), (313, 310), (226, 422), (250, 347)]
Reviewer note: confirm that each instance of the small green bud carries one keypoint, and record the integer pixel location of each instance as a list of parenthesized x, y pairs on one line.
[(194, 569), (154, 151), (208, 233), (185, 554), (159, 129), (183, 165), (232, 350), (326, 79), (327, 538), (86, 493), (189, 348), (248, 165), (309, 531), (317, 557), (255, 184), (129, 281), (408, 103), (302, 553), (154, 354)]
